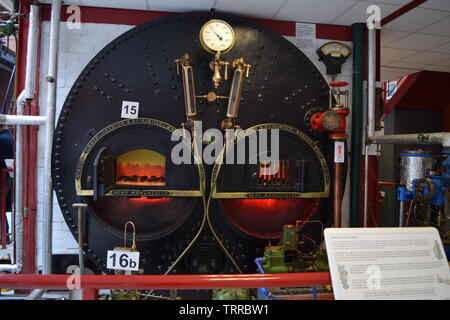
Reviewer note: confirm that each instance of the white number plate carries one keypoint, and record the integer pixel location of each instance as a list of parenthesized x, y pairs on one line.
[(123, 260), (130, 109)]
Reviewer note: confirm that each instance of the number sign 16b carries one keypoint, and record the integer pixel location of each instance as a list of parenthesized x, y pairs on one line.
[(123, 260)]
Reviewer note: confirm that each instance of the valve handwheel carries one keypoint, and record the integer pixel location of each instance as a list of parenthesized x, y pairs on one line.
[(424, 189), (338, 84)]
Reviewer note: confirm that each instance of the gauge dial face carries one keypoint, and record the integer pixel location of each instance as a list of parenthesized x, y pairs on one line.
[(217, 35), (335, 49)]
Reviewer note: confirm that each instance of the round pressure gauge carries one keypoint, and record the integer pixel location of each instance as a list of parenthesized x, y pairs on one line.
[(217, 35)]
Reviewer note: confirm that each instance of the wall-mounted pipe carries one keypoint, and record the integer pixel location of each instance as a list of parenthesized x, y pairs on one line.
[(10, 268), (49, 130), (18, 186), (442, 138), (357, 125), (371, 90), (25, 96), (22, 120)]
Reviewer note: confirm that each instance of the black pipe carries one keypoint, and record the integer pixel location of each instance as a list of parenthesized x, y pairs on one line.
[(357, 125)]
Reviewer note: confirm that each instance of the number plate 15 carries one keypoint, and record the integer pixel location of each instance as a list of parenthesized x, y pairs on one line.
[(130, 110), (123, 260)]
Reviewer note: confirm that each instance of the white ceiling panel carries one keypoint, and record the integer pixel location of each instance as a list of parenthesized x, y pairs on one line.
[(417, 41), (397, 2), (416, 19), (388, 36), (445, 63), (358, 13), (427, 58), (385, 61), (323, 11), (251, 8), (437, 68), (407, 65), (443, 49), (157, 5), (388, 73), (396, 54), (441, 27), (180, 5), (129, 4), (437, 5)]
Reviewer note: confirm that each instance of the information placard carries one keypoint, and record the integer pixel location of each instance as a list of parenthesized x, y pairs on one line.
[(387, 263), (339, 151)]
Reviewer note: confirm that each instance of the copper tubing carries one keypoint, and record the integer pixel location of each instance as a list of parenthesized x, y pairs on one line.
[(337, 195)]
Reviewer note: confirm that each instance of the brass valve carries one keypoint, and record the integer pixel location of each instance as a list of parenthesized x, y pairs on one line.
[(185, 61), (240, 64), (216, 65)]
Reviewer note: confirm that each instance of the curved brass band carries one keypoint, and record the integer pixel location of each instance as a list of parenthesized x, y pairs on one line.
[(148, 193), (154, 193), (270, 195)]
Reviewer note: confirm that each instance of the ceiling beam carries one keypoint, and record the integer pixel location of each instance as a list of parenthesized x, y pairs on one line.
[(406, 8)]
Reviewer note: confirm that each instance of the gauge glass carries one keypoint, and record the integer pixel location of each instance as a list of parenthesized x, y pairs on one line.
[(217, 35)]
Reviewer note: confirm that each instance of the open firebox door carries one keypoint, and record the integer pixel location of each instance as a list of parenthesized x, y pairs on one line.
[(139, 168)]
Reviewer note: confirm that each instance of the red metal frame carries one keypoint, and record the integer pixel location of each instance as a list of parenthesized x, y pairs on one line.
[(3, 212), (92, 283), (406, 8), (29, 148)]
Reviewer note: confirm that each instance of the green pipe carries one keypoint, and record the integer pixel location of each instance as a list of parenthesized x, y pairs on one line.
[(357, 125)]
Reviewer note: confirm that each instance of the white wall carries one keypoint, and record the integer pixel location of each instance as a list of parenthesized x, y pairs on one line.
[(347, 76), (77, 48)]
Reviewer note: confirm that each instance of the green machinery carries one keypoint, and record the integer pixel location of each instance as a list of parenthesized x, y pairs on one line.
[(286, 257)]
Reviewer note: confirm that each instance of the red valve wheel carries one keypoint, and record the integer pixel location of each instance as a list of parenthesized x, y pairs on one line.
[(338, 84)]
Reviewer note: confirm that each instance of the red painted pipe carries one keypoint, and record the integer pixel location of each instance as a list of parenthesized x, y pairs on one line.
[(158, 282), (406, 8)]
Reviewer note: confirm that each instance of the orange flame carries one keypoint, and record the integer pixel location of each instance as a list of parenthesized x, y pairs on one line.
[(140, 174)]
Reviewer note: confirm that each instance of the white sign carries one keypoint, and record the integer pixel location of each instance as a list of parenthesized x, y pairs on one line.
[(123, 260), (306, 36), (387, 263), (339, 151), (130, 109)]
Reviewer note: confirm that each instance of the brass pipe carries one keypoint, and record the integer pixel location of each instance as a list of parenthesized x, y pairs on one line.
[(337, 195)]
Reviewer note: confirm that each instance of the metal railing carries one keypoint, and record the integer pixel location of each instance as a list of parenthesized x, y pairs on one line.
[(90, 284)]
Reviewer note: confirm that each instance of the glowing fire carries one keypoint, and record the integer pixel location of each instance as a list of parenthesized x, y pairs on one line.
[(150, 200), (141, 167), (140, 174)]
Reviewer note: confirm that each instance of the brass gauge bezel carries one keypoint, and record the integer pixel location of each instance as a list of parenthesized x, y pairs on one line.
[(206, 47), (338, 44)]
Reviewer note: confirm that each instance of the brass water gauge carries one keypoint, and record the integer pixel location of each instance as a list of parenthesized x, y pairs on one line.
[(217, 36)]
